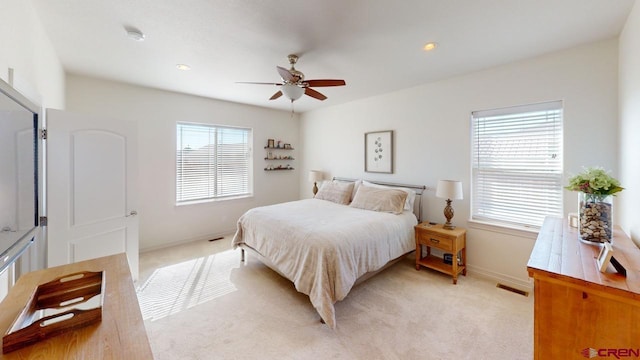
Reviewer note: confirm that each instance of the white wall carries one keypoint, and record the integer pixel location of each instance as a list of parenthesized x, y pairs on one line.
[(629, 81), (162, 223), (432, 121), (38, 74)]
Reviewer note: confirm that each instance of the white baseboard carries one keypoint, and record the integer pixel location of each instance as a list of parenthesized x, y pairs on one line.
[(188, 240), (508, 280)]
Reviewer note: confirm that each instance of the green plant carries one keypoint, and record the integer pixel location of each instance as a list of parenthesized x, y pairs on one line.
[(594, 181)]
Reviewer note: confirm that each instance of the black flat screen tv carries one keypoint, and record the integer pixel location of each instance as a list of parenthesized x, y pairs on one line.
[(18, 173)]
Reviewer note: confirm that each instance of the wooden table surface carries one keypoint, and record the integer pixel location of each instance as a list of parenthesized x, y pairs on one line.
[(120, 334), (559, 254), (577, 308)]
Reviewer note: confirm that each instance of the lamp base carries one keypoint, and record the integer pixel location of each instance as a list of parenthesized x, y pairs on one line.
[(448, 214)]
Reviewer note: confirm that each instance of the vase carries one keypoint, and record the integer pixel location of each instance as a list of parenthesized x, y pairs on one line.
[(596, 218)]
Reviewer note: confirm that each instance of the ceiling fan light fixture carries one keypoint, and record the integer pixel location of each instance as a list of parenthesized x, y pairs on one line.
[(293, 85), (293, 92)]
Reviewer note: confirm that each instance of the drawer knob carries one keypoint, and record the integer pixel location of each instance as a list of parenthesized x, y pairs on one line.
[(435, 241)]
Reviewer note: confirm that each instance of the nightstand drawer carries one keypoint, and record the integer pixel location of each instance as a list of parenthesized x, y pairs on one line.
[(436, 241)]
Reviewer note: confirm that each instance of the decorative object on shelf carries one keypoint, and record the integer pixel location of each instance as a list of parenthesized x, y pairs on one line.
[(274, 151), (450, 190), (378, 152), (278, 157), (595, 204), (279, 148), (315, 176), (279, 167)]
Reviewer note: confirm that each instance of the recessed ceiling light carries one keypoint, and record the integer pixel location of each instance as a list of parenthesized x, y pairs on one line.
[(429, 46), (134, 34), (184, 67)]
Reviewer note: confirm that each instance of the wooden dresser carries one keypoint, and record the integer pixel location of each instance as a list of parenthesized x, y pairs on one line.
[(580, 312), (119, 335)]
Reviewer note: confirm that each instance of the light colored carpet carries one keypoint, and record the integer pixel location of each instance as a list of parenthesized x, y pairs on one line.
[(200, 302)]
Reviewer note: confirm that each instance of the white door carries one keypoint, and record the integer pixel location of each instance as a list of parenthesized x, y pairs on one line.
[(91, 189)]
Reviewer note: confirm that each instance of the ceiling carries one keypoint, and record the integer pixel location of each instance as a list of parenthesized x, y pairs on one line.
[(375, 45)]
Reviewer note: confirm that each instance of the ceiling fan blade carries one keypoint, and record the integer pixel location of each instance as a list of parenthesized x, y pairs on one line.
[(257, 83), (325, 82), (284, 74), (314, 94), (276, 95)]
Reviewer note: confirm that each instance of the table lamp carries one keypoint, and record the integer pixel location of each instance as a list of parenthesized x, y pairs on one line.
[(314, 177), (449, 189)]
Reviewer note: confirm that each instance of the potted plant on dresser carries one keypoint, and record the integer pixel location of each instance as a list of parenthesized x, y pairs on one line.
[(596, 189)]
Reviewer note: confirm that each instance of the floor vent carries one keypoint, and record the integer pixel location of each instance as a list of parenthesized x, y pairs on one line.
[(514, 290)]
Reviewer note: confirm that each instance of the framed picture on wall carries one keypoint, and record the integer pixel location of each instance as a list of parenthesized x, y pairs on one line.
[(378, 151)]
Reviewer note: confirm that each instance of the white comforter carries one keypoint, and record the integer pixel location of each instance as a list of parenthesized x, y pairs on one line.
[(323, 247)]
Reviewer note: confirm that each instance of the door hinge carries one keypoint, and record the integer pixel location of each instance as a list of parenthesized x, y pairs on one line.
[(43, 221), (43, 134)]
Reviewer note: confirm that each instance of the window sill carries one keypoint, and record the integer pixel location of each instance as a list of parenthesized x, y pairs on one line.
[(196, 202), (513, 230)]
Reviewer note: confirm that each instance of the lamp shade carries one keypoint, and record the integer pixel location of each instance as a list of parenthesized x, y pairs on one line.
[(291, 91), (449, 189), (315, 176)]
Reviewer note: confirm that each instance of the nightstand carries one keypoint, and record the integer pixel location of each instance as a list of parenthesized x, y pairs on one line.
[(449, 241)]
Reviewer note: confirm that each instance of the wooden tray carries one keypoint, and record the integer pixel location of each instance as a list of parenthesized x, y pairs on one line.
[(66, 303)]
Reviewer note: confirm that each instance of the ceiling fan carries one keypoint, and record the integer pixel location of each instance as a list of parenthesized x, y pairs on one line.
[(293, 84)]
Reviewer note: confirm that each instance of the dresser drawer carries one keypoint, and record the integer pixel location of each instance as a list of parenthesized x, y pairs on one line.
[(436, 241)]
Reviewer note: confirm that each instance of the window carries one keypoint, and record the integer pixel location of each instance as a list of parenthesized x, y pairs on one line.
[(212, 162), (517, 164)]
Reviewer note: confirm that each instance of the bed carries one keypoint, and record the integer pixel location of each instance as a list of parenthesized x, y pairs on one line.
[(326, 244)]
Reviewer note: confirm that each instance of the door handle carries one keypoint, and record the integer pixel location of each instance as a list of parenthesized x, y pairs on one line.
[(132, 213)]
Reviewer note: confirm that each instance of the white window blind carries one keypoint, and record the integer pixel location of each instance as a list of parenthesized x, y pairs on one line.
[(212, 162), (517, 164)]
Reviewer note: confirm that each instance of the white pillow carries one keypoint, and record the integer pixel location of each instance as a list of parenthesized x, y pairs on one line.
[(411, 195), (356, 185), (379, 199), (337, 192)]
